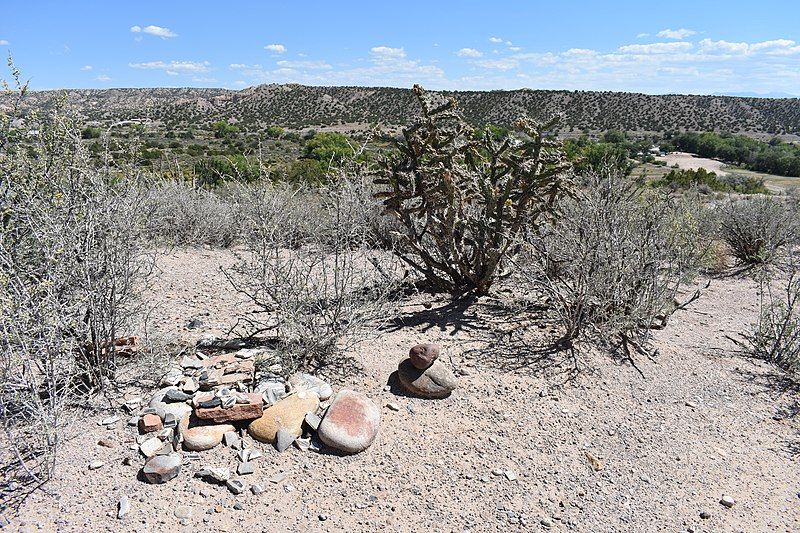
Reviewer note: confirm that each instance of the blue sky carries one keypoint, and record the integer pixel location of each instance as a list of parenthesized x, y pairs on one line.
[(699, 47)]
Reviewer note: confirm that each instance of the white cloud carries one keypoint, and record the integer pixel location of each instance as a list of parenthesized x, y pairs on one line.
[(727, 47), (173, 66), (642, 35), (499, 64), (515, 48), (495, 40), (103, 77), (86, 68), (387, 52), (3, 42), (679, 34), (158, 31), (275, 48), (312, 65), (776, 47), (655, 48), (469, 52)]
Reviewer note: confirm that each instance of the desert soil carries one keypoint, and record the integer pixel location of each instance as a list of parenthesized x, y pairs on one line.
[(702, 421), (689, 161)]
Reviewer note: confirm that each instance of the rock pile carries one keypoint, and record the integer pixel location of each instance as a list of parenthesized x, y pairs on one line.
[(209, 400), (422, 374)]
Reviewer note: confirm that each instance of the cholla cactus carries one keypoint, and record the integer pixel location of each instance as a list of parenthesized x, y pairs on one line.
[(462, 200)]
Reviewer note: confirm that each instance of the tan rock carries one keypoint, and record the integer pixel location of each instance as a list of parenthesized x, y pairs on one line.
[(287, 413), (201, 438)]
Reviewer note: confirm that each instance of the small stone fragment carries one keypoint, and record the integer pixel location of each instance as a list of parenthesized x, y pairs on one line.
[(94, 465), (322, 517), (727, 501), (277, 478), (596, 464), (235, 486), (109, 421), (256, 489), (175, 395), (150, 423), (705, 515), (238, 506), (393, 406), (201, 438), (150, 446), (283, 439), (230, 438), (123, 507), (170, 421), (510, 475), (245, 469), (105, 443), (313, 420), (183, 511)]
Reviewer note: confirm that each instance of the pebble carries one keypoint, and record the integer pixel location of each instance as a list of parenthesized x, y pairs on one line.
[(230, 438), (175, 395), (510, 475), (238, 506), (235, 486), (546, 522), (183, 511), (202, 438), (313, 420), (105, 443), (256, 489), (123, 507), (322, 517), (108, 421), (691, 404), (277, 478), (150, 446), (245, 468), (162, 468), (727, 501), (705, 515), (423, 355), (393, 406), (94, 465)]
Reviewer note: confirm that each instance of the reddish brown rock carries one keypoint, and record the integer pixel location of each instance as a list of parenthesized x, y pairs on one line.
[(436, 381), (150, 422), (351, 422), (240, 411), (423, 355)]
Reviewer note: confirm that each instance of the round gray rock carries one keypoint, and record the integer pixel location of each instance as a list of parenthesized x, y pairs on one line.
[(436, 381), (162, 468), (351, 422)]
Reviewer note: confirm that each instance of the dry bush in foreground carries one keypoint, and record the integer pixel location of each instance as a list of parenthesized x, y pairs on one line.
[(610, 267), (462, 201), (70, 269), (312, 270)]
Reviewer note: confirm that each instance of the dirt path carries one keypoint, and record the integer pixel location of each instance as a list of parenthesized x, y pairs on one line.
[(703, 422)]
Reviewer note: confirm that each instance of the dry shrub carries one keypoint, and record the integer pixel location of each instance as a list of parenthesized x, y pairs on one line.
[(70, 273), (776, 336), (180, 214), (312, 270), (611, 265), (757, 230)]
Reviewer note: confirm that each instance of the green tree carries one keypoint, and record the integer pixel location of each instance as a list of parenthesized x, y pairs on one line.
[(329, 147)]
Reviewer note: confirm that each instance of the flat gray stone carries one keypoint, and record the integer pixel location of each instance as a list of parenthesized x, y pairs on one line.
[(284, 439), (162, 468), (245, 469)]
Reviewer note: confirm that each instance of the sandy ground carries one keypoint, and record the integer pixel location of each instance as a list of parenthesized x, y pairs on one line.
[(702, 422), (689, 161)]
